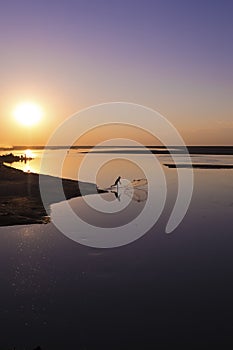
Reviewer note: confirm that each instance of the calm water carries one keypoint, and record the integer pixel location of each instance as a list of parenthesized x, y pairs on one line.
[(161, 290)]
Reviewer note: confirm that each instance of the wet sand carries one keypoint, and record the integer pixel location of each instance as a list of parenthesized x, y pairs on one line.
[(20, 199)]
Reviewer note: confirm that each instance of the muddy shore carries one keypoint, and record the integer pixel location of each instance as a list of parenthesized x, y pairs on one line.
[(20, 199)]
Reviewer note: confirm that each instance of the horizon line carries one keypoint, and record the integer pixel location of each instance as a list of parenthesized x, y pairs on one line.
[(21, 147)]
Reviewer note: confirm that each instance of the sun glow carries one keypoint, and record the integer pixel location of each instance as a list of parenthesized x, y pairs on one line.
[(28, 114), (29, 153)]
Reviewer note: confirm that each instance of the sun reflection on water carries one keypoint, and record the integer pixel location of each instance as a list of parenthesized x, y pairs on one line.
[(29, 154)]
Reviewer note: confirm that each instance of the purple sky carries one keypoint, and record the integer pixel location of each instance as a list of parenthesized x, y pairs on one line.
[(174, 56)]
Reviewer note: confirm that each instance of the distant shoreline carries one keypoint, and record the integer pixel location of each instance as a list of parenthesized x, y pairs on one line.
[(208, 150), (200, 166), (193, 150)]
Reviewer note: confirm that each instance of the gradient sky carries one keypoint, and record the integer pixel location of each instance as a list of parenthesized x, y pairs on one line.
[(173, 56)]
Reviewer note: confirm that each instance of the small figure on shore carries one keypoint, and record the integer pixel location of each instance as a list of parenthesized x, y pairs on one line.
[(117, 182)]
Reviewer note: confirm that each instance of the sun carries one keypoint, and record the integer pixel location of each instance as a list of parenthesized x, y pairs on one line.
[(28, 113)]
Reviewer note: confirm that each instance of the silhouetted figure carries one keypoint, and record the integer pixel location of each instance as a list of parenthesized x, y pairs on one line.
[(116, 182)]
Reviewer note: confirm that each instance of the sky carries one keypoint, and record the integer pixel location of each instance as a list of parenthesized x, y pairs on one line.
[(175, 56)]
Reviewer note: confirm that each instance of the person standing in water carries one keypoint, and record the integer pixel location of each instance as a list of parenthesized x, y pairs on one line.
[(117, 182)]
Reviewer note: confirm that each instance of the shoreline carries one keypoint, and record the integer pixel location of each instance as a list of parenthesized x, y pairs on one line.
[(199, 166), (20, 199), (198, 150)]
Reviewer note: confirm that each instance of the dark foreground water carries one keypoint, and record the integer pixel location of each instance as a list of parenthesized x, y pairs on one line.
[(158, 292)]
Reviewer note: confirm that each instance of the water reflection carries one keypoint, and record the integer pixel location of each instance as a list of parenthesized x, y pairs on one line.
[(74, 159), (137, 191), (53, 287)]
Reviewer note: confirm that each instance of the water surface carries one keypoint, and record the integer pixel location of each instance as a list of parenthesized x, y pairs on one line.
[(165, 290)]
